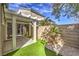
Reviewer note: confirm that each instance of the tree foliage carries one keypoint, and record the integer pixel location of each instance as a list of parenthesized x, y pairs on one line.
[(44, 22), (65, 9), (47, 22), (53, 37), (50, 34)]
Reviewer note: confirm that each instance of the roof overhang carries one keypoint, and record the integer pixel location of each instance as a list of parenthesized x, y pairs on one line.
[(30, 14)]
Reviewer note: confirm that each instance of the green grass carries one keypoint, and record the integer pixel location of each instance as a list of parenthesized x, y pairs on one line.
[(35, 49)]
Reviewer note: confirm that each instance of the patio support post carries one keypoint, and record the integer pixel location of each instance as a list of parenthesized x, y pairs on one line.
[(34, 31), (14, 32)]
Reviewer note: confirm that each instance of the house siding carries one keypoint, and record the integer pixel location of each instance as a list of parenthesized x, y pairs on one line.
[(0, 32)]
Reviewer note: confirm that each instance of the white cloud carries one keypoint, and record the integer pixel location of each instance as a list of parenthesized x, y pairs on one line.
[(40, 4), (47, 10), (35, 8)]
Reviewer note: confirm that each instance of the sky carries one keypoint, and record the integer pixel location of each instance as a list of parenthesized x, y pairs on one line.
[(44, 9)]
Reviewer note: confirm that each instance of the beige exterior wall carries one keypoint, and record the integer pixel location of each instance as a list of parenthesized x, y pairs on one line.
[(0, 33), (2, 29)]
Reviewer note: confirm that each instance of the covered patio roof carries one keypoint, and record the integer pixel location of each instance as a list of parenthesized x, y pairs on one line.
[(24, 14)]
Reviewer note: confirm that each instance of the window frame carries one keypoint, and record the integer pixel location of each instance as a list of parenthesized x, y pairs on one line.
[(21, 34)]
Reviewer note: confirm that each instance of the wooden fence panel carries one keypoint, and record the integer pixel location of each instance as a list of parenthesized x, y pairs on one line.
[(70, 35)]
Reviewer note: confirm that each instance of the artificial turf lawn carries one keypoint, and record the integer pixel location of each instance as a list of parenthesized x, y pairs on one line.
[(35, 49)]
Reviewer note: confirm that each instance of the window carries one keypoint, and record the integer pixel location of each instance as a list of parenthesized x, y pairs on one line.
[(24, 30), (9, 30), (19, 29)]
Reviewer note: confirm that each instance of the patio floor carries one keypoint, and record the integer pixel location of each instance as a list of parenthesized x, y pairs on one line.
[(69, 51)]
